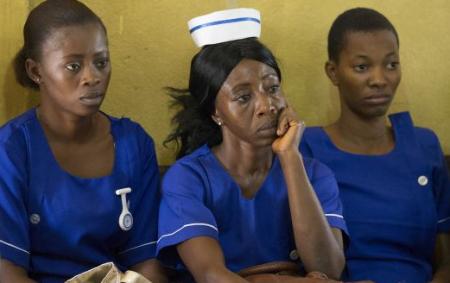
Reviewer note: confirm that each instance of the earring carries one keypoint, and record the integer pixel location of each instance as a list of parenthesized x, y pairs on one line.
[(37, 80), (219, 123)]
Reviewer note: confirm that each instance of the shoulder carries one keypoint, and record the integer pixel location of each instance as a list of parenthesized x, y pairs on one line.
[(425, 137), (316, 170), (190, 163), (189, 171), (13, 131), (311, 136), (126, 129), (312, 133)]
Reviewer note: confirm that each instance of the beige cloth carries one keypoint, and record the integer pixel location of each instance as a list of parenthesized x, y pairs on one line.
[(108, 273)]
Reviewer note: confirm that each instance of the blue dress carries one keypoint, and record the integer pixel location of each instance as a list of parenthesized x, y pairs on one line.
[(394, 204), (56, 225), (200, 198)]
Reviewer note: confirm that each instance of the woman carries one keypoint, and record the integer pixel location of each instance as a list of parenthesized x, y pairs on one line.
[(393, 179), (64, 163), (240, 193)]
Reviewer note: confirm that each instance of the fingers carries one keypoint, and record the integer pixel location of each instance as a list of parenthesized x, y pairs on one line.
[(288, 118)]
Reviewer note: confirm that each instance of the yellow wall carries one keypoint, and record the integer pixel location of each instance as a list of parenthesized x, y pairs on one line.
[(151, 48)]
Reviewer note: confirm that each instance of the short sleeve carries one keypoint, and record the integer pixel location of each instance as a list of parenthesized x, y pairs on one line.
[(14, 230), (325, 185), (441, 187), (183, 213), (141, 245)]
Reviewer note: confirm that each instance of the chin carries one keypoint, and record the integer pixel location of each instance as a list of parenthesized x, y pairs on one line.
[(264, 142), (372, 112)]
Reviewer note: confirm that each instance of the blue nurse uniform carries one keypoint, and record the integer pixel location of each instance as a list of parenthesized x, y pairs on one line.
[(200, 198), (56, 225), (394, 204)]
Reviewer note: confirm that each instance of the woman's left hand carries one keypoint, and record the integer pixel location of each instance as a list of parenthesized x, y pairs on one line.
[(290, 130)]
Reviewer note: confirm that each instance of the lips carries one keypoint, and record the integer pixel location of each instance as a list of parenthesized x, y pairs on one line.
[(378, 99), (269, 126), (92, 99)]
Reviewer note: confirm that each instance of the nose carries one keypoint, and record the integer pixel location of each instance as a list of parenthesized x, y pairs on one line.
[(378, 77), (91, 76), (265, 104)]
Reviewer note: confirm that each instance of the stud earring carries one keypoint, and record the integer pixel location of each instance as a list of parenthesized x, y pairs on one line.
[(37, 80), (219, 123)]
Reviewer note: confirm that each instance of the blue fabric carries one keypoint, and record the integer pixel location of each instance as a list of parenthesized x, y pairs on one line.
[(392, 219), (201, 199), (78, 217)]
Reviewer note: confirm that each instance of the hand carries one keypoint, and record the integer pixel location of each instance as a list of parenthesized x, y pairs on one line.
[(290, 131)]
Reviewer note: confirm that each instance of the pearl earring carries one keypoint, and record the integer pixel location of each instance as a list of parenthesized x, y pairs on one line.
[(219, 123)]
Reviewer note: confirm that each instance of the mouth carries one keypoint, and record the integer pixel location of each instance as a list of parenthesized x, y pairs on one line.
[(269, 126), (92, 99), (378, 99)]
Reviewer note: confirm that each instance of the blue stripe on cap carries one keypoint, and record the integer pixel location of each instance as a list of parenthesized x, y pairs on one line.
[(246, 19)]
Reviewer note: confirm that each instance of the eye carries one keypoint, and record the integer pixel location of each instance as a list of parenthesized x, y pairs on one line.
[(101, 64), (243, 98), (274, 89), (360, 68), (393, 65), (73, 67)]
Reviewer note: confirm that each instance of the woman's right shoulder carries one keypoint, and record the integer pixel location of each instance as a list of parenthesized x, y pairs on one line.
[(190, 167)]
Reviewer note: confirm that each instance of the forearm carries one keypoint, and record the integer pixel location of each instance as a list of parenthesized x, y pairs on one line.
[(220, 275), (204, 259), (10, 272), (322, 252), (152, 270)]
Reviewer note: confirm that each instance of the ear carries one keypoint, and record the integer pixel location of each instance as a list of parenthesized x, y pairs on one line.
[(32, 69), (216, 118), (331, 71)]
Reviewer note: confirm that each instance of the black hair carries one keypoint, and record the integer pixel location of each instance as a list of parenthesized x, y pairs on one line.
[(210, 67), (355, 20), (41, 22)]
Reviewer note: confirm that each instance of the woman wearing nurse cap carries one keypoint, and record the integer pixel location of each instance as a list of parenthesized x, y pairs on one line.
[(240, 194)]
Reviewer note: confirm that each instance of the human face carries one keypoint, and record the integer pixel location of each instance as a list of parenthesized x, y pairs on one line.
[(368, 72), (248, 104), (74, 69)]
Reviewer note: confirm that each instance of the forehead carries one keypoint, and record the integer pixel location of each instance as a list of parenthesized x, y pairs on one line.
[(77, 39), (371, 42), (248, 70)]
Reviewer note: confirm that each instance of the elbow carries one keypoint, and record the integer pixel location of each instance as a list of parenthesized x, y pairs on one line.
[(332, 266), (335, 267)]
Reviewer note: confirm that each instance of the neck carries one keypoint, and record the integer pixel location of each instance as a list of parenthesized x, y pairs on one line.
[(64, 127), (365, 130), (363, 136), (242, 159)]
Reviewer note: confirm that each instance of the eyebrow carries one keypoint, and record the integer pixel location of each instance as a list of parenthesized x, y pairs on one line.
[(77, 56), (270, 75), (387, 55)]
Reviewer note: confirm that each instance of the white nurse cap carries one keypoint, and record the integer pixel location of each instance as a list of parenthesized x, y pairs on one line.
[(225, 25)]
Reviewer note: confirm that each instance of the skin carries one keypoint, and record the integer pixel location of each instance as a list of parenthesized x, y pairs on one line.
[(73, 74), (256, 125), (367, 76)]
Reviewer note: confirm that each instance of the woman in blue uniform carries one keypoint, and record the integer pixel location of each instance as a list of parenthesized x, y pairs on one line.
[(393, 180), (240, 193), (78, 187)]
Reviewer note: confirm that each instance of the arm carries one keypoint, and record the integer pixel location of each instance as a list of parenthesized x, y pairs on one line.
[(10, 272), (323, 251), (442, 258), (207, 266), (152, 270)]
